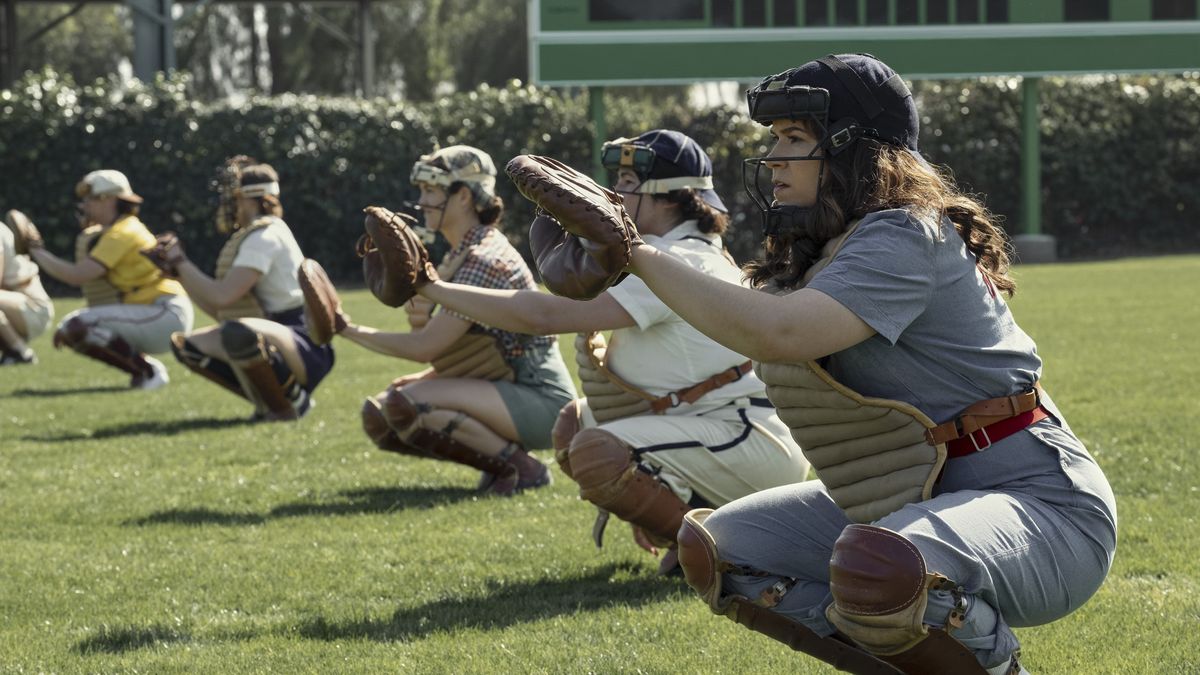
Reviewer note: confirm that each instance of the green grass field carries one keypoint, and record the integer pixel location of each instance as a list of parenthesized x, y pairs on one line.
[(159, 532)]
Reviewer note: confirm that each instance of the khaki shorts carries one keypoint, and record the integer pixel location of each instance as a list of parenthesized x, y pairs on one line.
[(721, 455)]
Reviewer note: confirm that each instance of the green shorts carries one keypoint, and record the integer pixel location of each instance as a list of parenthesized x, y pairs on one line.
[(541, 388)]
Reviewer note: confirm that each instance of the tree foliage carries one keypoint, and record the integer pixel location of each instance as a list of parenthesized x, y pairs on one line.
[(1120, 155)]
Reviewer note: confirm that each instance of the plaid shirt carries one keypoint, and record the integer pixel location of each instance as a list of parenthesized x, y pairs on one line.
[(493, 263)]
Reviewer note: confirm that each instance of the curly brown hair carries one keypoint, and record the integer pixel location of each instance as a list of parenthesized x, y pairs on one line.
[(873, 176), (693, 207)]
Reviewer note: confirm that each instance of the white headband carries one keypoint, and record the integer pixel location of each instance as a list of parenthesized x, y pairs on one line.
[(658, 186), (259, 189)]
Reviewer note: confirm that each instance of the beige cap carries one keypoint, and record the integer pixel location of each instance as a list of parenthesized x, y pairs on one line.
[(462, 163), (106, 182)]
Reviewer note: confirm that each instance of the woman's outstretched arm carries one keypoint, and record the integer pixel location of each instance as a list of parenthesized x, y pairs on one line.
[(803, 325), (528, 311)]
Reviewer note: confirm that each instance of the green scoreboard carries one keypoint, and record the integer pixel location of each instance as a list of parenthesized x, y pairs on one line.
[(598, 43), (628, 42)]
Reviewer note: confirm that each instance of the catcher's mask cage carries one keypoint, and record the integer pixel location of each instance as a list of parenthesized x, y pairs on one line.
[(425, 171), (773, 99)]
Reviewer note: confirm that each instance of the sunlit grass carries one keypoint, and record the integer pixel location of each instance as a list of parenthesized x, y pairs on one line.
[(160, 532)]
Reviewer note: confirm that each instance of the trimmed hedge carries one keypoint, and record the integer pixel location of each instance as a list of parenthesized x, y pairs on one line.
[(1121, 160)]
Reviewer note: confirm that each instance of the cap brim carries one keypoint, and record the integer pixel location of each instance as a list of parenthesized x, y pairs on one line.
[(132, 198), (710, 197)]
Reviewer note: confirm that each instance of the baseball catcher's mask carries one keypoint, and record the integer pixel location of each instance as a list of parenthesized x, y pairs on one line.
[(845, 98)]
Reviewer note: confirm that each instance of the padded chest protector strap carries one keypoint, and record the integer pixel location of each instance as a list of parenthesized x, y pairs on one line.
[(97, 291), (871, 453), (609, 396), (248, 304)]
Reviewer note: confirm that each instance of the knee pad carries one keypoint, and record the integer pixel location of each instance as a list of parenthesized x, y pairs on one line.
[(608, 477), (400, 411), (598, 461), (698, 558), (204, 365), (880, 589), (565, 428), (374, 424), (72, 333), (240, 341)]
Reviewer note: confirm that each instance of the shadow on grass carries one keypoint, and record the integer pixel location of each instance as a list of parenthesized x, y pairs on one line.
[(347, 503), (117, 640), (50, 393), (506, 605), (143, 428)]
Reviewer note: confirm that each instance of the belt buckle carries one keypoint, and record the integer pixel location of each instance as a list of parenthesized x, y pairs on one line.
[(674, 400), (975, 443)]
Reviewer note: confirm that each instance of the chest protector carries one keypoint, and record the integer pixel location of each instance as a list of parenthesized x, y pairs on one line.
[(97, 291), (609, 396), (871, 453), (248, 304), (474, 355)]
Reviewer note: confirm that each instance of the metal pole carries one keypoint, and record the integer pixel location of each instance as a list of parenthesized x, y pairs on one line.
[(1031, 245), (366, 48), (599, 132), (1031, 159)]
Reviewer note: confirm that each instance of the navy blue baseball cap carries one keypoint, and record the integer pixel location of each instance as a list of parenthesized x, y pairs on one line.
[(665, 160), (851, 91)]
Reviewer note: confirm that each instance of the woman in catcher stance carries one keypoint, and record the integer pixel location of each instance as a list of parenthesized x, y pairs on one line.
[(957, 503), (260, 350), (672, 420), (132, 308), (491, 395), (25, 309)]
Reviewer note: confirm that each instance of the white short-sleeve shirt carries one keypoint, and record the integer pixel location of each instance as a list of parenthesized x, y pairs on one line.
[(273, 252), (17, 268), (664, 353)]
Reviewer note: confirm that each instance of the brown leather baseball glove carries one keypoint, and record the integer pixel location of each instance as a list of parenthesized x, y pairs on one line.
[(582, 239), (323, 313), (26, 236), (395, 262), (160, 253)]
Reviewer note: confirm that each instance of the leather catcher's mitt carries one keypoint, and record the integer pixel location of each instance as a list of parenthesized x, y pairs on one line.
[(582, 239), (323, 313), (25, 234), (395, 262), (157, 254)]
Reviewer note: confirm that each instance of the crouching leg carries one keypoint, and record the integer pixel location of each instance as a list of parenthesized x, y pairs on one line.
[(880, 589), (703, 567)]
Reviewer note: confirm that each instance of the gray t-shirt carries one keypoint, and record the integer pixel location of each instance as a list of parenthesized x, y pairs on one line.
[(945, 337)]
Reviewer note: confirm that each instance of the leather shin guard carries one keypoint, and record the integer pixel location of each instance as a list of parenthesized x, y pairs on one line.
[(880, 590), (214, 370), (441, 445), (565, 428), (702, 568), (376, 426), (603, 466), (116, 352), (249, 355)]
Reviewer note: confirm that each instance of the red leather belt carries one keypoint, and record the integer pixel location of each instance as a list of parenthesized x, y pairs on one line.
[(984, 437)]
